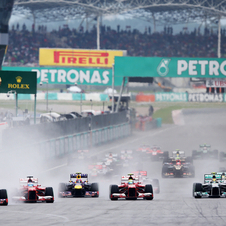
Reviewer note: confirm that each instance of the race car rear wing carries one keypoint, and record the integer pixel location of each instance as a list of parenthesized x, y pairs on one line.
[(24, 181), (140, 173), (75, 175), (125, 179), (209, 177)]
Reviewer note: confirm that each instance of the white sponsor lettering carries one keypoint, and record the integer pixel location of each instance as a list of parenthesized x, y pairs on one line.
[(203, 64), (70, 78), (73, 76), (61, 76), (44, 74), (182, 65), (205, 97), (96, 77), (171, 97), (194, 67)]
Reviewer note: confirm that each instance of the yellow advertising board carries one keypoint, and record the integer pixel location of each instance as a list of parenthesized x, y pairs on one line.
[(78, 57)]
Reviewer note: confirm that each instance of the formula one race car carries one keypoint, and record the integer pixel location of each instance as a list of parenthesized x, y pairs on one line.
[(178, 166), (214, 186), (131, 188), (205, 152), (31, 191), (142, 176), (156, 153), (78, 187), (3, 197)]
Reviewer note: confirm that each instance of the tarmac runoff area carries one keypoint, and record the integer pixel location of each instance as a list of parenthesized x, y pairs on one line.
[(173, 206)]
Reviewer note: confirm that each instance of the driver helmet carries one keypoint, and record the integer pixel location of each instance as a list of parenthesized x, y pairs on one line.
[(214, 179), (130, 181)]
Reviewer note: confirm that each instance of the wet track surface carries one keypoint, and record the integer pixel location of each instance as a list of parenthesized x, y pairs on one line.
[(173, 206)]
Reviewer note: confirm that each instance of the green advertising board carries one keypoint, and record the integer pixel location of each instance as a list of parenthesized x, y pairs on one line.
[(70, 76), (170, 67), (18, 82)]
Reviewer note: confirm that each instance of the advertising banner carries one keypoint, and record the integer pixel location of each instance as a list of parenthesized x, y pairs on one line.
[(205, 97), (215, 83), (18, 82), (171, 97), (78, 57), (70, 76), (170, 67)]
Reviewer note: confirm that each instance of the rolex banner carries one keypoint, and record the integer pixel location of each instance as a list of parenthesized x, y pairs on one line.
[(18, 82), (170, 67)]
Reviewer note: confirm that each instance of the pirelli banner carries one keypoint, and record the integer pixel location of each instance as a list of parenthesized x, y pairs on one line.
[(78, 57), (18, 81)]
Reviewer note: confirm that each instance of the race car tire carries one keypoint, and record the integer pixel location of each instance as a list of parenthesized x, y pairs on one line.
[(114, 189), (148, 189), (197, 187), (95, 187), (3, 195), (156, 184), (215, 153), (49, 192)]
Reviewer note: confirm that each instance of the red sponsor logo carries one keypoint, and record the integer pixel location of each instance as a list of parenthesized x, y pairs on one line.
[(71, 57)]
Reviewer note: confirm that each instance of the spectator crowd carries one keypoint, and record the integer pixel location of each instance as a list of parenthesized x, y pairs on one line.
[(24, 45)]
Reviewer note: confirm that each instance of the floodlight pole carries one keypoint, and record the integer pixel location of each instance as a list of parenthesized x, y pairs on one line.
[(219, 38), (98, 32), (120, 94), (113, 88)]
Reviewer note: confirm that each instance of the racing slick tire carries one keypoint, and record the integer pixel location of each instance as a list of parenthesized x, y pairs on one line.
[(197, 187), (113, 189), (3, 195), (95, 187), (148, 189), (49, 192), (156, 184)]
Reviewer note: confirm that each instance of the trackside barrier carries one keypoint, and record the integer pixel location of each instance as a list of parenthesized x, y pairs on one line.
[(68, 144)]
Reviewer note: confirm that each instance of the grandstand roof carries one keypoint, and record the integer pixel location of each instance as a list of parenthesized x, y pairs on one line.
[(166, 11)]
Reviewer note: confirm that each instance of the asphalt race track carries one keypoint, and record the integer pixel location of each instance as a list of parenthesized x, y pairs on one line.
[(173, 206)]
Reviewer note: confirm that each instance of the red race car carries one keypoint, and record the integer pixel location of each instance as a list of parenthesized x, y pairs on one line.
[(156, 153), (31, 191), (131, 188), (3, 197)]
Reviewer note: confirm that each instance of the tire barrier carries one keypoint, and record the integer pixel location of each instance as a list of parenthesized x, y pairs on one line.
[(65, 145)]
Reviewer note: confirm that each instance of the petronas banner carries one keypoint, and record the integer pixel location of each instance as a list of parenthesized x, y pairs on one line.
[(170, 67)]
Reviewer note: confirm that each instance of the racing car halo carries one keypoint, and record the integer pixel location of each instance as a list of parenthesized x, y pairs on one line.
[(78, 187)]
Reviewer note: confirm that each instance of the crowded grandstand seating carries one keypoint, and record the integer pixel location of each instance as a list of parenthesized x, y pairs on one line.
[(24, 45)]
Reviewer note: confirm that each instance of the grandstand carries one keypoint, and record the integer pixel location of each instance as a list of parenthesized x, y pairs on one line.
[(24, 44)]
